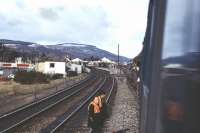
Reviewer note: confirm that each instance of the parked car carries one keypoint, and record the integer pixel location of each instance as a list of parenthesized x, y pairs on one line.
[(1, 72), (11, 76)]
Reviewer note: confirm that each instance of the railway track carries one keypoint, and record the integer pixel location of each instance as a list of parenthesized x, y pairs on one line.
[(77, 120), (55, 113), (11, 121)]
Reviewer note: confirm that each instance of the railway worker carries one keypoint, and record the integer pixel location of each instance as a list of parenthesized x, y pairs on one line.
[(103, 106), (94, 115)]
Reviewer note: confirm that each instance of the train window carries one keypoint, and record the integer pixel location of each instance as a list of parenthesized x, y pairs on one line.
[(180, 68)]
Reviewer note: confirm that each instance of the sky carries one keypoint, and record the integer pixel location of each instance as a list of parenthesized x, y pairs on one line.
[(103, 23)]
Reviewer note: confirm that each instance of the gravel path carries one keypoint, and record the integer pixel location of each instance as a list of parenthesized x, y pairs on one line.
[(124, 115)]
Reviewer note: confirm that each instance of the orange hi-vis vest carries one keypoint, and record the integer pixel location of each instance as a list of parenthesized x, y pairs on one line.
[(96, 107), (100, 102)]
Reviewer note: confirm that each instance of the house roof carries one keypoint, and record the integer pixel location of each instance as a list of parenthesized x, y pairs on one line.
[(77, 60), (104, 59)]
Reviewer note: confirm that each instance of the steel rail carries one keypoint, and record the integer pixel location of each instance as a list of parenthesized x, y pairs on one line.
[(111, 91), (43, 110), (109, 95), (45, 99), (82, 105)]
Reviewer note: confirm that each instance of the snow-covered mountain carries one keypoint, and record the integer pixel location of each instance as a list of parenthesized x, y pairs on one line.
[(59, 51)]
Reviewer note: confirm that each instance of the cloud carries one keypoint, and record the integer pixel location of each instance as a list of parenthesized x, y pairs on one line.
[(104, 23), (49, 14)]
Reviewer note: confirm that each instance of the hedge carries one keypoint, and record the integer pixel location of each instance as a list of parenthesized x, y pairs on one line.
[(32, 77)]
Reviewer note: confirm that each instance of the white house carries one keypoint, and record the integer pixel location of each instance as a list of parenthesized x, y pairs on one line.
[(51, 67), (106, 60), (93, 63), (76, 68), (77, 61), (10, 68)]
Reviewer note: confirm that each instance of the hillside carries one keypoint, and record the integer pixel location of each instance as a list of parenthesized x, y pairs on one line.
[(60, 51)]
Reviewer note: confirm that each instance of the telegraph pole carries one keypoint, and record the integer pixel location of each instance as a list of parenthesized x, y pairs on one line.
[(2, 51), (118, 56), (118, 60)]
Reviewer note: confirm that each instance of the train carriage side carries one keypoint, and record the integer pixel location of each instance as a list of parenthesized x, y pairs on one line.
[(170, 71)]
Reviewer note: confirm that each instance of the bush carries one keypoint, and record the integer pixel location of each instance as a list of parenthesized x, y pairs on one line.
[(72, 73), (24, 77), (57, 76)]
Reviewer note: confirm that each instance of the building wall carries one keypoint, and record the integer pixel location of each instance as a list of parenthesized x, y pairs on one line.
[(87, 70), (40, 67), (75, 67), (51, 67), (54, 67)]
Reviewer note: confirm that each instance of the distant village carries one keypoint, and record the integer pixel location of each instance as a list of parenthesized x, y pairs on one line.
[(8, 69)]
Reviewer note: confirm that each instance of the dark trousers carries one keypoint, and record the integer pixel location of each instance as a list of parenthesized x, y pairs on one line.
[(95, 130)]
